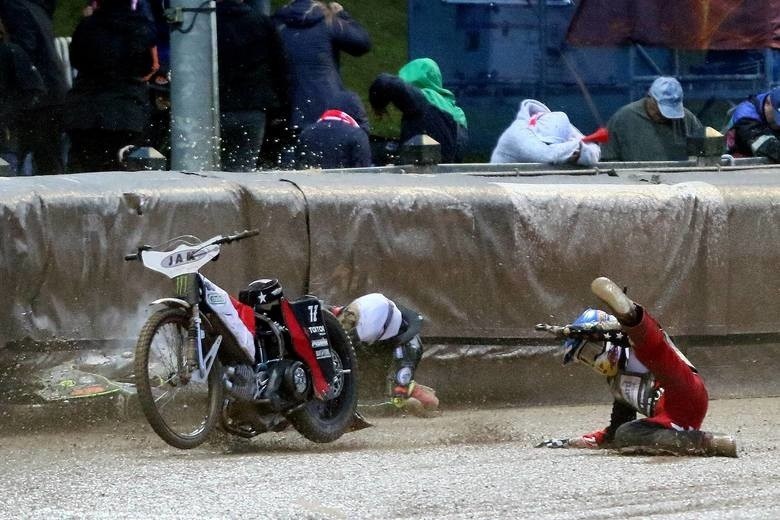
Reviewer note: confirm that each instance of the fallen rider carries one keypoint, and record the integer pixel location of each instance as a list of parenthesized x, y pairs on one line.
[(646, 374), (376, 321)]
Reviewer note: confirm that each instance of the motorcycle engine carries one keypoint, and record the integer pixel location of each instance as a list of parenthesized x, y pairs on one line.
[(288, 385), (297, 381)]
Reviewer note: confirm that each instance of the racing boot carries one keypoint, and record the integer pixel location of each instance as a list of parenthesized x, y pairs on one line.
[(426, 395), (419, 400), (719, 445), (613, 296)]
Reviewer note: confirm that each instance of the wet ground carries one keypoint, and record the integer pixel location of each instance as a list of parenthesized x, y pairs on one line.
[(464, 464)]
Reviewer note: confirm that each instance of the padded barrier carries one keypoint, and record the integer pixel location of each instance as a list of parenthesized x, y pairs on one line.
[(482, 258), (64, 238)]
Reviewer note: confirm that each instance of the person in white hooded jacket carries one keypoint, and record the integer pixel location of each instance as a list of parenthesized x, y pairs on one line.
[(539, 135)]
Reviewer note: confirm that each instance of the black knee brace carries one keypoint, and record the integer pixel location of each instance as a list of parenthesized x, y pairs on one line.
[(406, 357)]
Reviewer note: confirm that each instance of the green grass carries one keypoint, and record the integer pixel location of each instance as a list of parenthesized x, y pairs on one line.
[(385, 20)]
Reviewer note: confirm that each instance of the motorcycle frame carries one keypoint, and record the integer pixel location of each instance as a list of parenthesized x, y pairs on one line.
[(188, 297)]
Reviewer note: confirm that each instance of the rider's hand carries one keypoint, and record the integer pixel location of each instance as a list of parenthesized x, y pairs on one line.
[(554, 443), (590, 441)]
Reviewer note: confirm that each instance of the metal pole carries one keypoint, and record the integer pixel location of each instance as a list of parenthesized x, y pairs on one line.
[(194, 87)]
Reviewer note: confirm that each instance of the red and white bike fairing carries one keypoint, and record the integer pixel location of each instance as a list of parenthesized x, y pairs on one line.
[(186, 259)]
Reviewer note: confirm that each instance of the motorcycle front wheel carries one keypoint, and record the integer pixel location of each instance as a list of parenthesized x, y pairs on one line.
[(180, 407), (326, 421)]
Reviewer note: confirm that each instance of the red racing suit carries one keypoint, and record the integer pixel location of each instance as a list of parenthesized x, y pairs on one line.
[(656, 380)]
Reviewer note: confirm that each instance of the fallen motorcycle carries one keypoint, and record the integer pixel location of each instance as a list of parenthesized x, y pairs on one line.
[(251, 365)]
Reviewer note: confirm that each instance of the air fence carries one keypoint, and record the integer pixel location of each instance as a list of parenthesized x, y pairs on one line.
[(483, 255)]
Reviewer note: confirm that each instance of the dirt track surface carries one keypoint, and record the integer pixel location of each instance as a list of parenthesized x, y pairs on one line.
[(464, 464)]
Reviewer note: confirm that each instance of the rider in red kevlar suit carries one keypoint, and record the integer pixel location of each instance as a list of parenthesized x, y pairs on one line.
[(647, 374)]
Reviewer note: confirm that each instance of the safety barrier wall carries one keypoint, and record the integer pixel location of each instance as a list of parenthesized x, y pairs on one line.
[(63, 239), (480, 258), (483, 258)]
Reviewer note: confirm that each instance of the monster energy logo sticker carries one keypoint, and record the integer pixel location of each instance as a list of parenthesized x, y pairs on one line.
[(181, 285)]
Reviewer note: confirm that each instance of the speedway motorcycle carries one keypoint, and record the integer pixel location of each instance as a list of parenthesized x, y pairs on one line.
[(256, 364)]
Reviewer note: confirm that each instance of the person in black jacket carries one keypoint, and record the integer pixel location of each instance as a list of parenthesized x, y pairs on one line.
[(108, 107), (253, 82), (39, 128), (427, 107), (339, 138), (21, 86), (314, 34)]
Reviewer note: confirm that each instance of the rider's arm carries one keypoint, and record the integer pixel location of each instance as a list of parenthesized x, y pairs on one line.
[(621, 413), (387, 89), (348, 35)]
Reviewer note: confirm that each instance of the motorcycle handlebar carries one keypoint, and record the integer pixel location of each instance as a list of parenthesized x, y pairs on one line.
[(224, 240), (555, 330), (137, 255), (238, 236), (591, 333)]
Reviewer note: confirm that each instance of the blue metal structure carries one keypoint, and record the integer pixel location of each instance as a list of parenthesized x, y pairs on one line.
[(495, 53)]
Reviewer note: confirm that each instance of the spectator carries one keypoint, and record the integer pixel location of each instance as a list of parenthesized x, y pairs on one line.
[(755, 126), (149, 11), (108, 107), (21, 86), (154, 11), (252, 81), (538, 135), (653, 128), (39, 128), (426, 106), (339, 138), (158, 131), (314, 34)]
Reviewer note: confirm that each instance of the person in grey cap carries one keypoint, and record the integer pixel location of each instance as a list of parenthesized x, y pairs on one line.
[(755, 126), (653, 128)]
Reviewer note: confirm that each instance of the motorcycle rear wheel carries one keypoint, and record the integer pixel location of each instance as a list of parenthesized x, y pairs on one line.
[(326, 421), (181, 410)]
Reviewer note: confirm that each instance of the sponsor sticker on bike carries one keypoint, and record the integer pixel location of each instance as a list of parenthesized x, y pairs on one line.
[(308, 312)]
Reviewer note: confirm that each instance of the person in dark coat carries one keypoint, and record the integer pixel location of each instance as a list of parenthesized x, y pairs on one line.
[(21, 86), (108, 107), (39, 129), (426, 106), (314, 34), (253, 81), (339, 138)]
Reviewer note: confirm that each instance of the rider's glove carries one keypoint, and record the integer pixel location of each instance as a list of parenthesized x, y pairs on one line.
[(554, 443), (591, 441)]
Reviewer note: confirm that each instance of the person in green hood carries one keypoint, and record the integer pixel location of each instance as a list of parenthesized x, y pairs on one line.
[(426, 106)]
